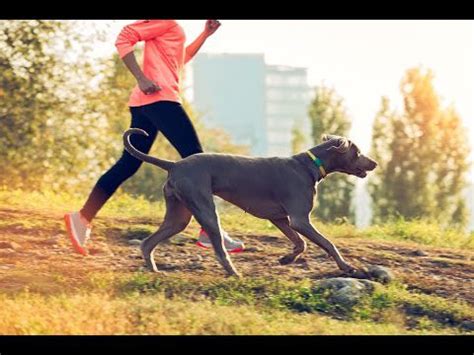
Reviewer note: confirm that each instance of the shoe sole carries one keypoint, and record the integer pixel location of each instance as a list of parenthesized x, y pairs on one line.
[(233, 251), (72, 238)]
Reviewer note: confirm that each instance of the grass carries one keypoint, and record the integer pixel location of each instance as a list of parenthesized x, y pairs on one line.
[(99, 313), (147, 304), (305, 297)]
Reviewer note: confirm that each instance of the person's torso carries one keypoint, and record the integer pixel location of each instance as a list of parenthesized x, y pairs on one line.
[(163, 61)]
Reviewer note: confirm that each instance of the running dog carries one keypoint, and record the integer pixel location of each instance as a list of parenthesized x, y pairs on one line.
[(279, 189)]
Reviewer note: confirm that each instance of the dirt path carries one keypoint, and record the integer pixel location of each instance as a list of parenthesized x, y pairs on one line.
[(35, 252)]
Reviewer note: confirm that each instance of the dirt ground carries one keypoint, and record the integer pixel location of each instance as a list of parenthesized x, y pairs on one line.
[(38, 255)]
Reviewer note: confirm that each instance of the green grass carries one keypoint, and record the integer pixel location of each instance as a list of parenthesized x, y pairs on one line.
[(101, 313), (421, 232), (389, 305), (304, 297), (144, 303)]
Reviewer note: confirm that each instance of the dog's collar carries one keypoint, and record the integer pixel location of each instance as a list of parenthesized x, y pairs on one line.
[(318, 163)]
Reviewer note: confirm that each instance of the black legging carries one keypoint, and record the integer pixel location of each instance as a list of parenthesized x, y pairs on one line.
[(163, 116)]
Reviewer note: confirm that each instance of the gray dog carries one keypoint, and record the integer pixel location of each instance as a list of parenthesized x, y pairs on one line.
[(281, 190)]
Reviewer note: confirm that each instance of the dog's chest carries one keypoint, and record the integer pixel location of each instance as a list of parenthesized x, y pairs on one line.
[(261, 208)]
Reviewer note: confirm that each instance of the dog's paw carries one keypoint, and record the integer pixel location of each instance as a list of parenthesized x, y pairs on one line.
[(287, 259), (358, 273), (147, 269), (151, 267)]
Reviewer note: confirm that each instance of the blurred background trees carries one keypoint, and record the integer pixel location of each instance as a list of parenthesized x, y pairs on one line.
[(49, 136), (423, 156)]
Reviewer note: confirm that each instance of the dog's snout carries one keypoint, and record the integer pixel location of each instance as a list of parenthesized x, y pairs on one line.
[(373, 164), (369, 164)]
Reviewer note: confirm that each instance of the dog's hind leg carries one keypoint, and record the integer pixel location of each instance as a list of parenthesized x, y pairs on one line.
[(198, 199), (176, 220), (283, 224)]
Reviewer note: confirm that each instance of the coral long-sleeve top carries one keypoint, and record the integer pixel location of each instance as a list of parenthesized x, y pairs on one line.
[(164, 57)]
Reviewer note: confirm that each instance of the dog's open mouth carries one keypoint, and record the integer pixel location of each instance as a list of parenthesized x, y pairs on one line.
[(360, 173)]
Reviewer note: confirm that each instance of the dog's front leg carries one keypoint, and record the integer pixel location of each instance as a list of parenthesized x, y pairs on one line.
[(304, 226)]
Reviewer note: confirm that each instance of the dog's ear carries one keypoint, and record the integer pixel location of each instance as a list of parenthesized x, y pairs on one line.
[(342, 146), (328, 137)]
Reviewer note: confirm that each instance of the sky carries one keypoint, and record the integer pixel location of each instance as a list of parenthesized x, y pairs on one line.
[(362, 60)]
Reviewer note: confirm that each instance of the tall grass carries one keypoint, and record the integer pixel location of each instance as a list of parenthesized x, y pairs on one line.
[(147, 304), (421, 231), (100, 313)]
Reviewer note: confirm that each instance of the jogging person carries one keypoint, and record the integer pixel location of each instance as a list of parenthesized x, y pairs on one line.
[(155, 106)]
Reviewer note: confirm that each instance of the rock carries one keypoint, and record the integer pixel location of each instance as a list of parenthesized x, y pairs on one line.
[(420, 252), (337, 283), (346, 291), (134, 242), (380, 274), (10, 245), (468, 325)]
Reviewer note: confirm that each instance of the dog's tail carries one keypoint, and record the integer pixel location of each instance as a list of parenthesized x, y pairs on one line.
[(163, 164)]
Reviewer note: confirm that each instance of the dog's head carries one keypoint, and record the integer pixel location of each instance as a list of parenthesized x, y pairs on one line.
[(344, 156)]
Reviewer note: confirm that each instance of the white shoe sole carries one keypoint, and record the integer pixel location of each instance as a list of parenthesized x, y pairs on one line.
[(72, 232), (209, 245)]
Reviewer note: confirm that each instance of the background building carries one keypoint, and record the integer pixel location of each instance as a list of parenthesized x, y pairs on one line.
[(257, 104), (286, 106), (229, 93)]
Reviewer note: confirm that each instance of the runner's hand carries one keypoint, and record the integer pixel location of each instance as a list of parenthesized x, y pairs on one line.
[(211, 27), (147, 86)]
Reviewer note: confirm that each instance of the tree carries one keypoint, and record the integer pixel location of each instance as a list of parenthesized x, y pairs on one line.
[(26, 95), (422, 154), (297, 139), (381, 152), (328, 115), (44, 124)]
